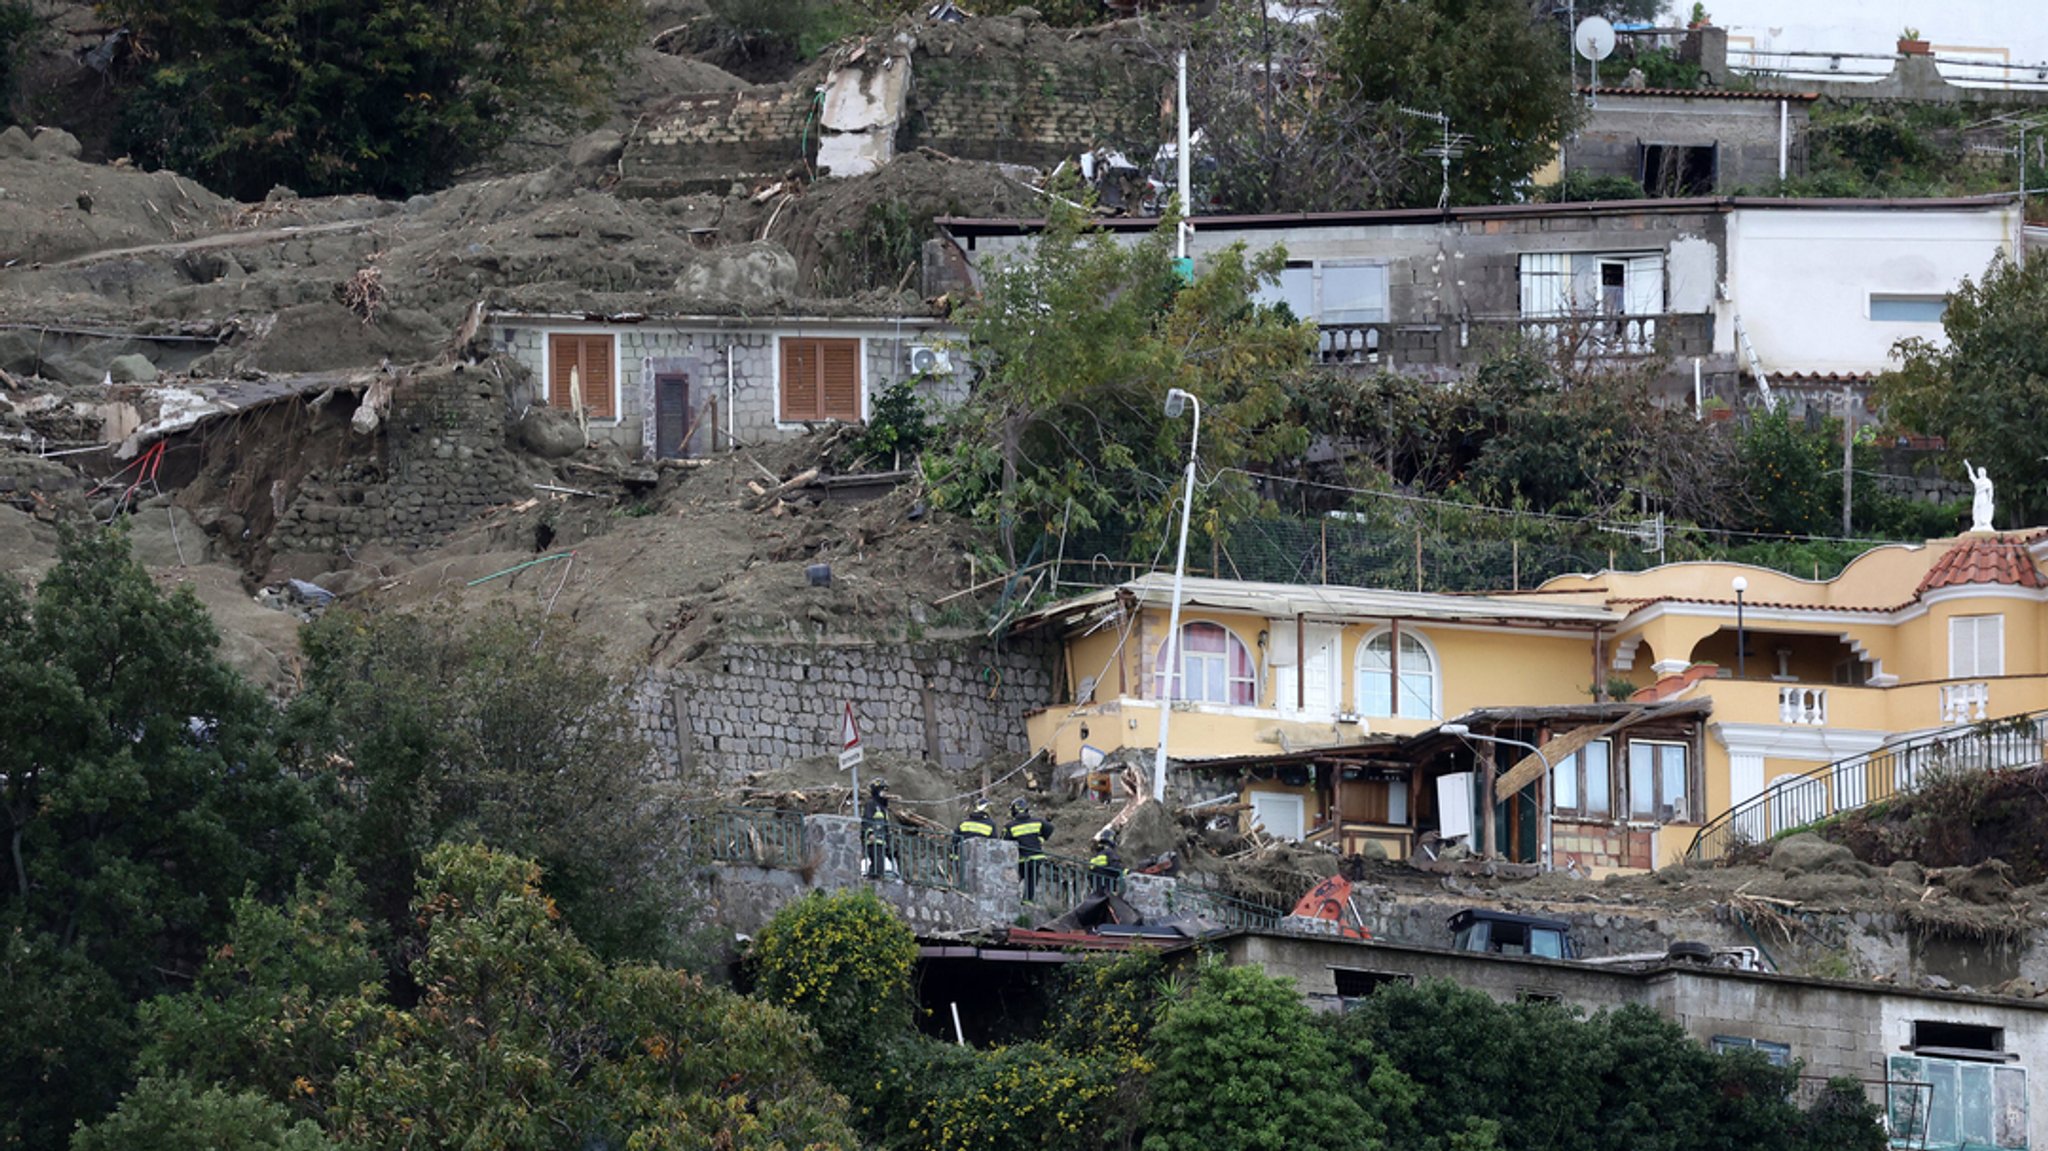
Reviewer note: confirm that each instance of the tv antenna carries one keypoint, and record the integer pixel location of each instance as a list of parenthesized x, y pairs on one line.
[(1450, 146), (1594, 39)]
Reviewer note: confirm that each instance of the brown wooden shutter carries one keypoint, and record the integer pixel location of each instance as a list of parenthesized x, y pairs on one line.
[(564, 354), (800, 391), (590, 358), (839, 379), (598, 385)]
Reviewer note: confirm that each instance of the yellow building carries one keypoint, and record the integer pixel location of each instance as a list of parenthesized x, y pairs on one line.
[(1327, 706)]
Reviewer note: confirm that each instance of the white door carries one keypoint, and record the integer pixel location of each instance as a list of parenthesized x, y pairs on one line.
[(1316, 698), (1279, 813)]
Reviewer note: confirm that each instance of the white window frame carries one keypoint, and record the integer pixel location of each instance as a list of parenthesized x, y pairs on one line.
[(860, 365), (547, 369), (1579, 770), (1939, 302), (1318, 299), (1967, 647), (1359, 674), (1681, 812), (1162, 678), (1322, 662)]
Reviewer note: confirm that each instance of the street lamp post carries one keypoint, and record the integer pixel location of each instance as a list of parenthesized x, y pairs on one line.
[(1176, 401), (1464, 731), (1740, 584)]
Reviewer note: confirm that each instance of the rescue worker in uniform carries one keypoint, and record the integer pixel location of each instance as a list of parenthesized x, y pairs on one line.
[(1030, 835), (874, 829), (977, 824), (1106, 867)]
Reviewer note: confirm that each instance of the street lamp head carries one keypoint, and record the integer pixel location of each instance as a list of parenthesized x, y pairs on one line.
[(1740, 584), (1176, 403), (1455, 728)]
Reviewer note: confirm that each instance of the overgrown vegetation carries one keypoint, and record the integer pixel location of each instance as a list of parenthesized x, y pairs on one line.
[(385, 96), (1985, 387), (19, 26)]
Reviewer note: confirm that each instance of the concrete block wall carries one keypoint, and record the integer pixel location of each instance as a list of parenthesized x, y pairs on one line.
[(711, 139), (444, 459), (1033, 110), (756, 706)]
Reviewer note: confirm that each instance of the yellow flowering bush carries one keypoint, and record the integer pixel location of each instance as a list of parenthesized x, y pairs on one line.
[(843, 961)]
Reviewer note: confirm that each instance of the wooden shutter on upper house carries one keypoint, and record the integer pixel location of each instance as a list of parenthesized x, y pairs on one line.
[(820, 380), (589, 357)]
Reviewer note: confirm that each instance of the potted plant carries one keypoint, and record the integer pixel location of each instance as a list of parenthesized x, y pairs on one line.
[(1910, 43), (1699, 16)]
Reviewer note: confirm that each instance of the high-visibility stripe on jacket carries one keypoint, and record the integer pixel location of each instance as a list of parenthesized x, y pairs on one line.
[(975, 829), (1030, 836)]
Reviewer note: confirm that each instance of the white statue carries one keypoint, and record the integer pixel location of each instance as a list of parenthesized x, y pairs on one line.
[(1980, 505)]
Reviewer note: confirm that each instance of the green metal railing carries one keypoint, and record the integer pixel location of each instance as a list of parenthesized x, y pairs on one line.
[(760, 838), (1793, 802), (923, 858), (1063, 881), (1230, 911)]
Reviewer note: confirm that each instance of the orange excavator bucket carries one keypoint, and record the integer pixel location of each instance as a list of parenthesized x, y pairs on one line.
[(1330, 901)]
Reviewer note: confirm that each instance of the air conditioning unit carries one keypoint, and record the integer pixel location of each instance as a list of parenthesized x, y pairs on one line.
[(926, 360)]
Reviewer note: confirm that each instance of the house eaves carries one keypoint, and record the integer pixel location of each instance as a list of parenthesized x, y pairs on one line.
[(1325, 602)]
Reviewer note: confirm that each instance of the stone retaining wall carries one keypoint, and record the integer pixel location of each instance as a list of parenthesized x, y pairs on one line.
[(756, 706)]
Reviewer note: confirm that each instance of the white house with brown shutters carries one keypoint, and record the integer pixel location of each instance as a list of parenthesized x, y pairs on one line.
[(679, 385)]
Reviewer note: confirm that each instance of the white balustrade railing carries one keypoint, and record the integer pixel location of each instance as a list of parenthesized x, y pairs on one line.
[(1965, 702), (1805, 706)]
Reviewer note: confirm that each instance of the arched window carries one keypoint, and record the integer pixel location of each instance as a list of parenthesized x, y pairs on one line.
[(1378, 693), (1215, 667)]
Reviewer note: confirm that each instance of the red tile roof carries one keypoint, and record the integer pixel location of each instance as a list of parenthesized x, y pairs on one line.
[(1699, 93), (1986, 559)]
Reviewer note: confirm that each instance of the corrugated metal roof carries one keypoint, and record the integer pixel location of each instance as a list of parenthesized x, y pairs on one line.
[(1332, 601), (997, 225), (1699, 93)]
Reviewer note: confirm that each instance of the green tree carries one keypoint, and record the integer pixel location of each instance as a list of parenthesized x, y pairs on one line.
[(391, 97), (514, 1035), (141, 793), (514, 731), (1985, 390), (176, 1114), (1243, 1067), (842, 961), (1791, 476), (1081, 341), (1499, 74)]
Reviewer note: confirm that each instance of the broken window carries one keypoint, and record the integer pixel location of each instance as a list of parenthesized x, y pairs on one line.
[(820, 380), (1680, 169), (1659, 784), (1935, 1037), (1215, 667), (1353, 983), (580, 375)]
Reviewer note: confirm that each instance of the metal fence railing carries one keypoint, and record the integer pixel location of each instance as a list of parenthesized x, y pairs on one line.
[(761, 838), (1793, 802), (925, 858), (1231, 912), (1062, 881)]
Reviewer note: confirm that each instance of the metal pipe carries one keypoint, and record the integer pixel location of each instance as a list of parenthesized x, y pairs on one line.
[(731, 441), (1186, 196), (1784, 137), (1174, 398)]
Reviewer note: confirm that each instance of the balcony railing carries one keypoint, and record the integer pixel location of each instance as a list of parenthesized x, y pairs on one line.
[(1793, 802), (1965, 702), (761, 838), (1064, 882), (1450, 341), (1233, 913), (1803, 706)]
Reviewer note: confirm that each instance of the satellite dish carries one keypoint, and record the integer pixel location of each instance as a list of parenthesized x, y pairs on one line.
[(1594, 38)]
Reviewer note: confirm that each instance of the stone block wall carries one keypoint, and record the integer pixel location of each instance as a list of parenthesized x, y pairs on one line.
[(709, 140), (756, 706), (444, 459), (744, 897), (1029, 109)]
